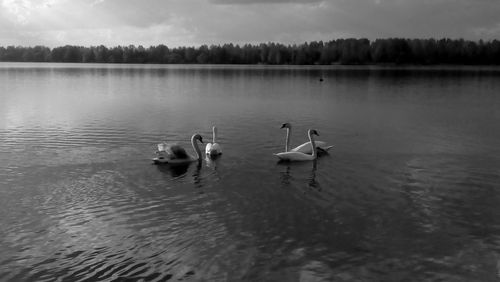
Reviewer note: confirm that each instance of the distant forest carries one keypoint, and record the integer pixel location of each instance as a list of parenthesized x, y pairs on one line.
[(339, 51)]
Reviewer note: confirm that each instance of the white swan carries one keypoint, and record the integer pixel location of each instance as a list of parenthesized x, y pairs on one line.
[(299, 156), (175, 154), (213, 149), (304, 148)]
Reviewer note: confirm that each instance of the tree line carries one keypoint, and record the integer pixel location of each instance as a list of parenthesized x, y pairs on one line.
[(339, 51)]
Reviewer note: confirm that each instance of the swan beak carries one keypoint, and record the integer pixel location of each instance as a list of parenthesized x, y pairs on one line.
[(283, 126)]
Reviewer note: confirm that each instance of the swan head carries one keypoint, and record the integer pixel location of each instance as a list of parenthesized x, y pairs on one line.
[(313, 132), (197, 137), (286, 125)]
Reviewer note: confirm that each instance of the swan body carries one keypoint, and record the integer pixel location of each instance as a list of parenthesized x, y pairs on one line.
[(299, 156), (176, 154), (306, 147), (303, 148), (213, 149)]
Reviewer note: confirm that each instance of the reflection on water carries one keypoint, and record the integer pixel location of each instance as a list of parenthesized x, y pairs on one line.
[(212, 161), (286, 176), (410, 191), (179, 170), (312, 179)]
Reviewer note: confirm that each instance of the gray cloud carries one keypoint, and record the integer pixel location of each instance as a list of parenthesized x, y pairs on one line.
[(196, 22), (249, 2)]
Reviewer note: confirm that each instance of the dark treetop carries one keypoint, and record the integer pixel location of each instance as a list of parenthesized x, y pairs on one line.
[(339, 51)]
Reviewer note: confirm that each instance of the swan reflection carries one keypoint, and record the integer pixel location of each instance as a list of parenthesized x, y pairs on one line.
[(197, 175), (180, 170), (287, 177), (211, 162), (313, 184)]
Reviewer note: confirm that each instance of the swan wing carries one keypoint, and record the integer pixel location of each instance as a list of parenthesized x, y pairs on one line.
[(306, 147), (208, 148), (162, 147), (294, 156), (216, 148), (325, 148), (176, 152)]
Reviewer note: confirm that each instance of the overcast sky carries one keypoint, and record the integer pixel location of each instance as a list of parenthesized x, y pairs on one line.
[(195, 22)]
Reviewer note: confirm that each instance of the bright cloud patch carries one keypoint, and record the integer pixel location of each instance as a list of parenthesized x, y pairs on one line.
[(196, 22), (264, 1), (22, 10), (19, 9)]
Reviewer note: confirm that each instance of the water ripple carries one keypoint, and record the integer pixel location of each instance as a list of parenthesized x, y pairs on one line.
[(410, 191)]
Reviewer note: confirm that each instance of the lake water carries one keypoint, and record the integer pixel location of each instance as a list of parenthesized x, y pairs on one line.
[(409, 192)]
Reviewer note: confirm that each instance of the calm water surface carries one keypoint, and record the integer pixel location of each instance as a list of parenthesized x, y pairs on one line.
[(410, 191)]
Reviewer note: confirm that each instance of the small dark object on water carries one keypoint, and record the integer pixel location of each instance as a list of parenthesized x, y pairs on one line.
[(320, 79)]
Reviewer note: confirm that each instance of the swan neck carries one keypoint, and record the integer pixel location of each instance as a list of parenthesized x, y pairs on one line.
[(313, 144), (196, 148), (214, 134), (287, 142)]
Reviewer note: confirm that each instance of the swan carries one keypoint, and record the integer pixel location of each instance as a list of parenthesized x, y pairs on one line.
[(213, 149), (304, 148), (176, 154), (299, 156)]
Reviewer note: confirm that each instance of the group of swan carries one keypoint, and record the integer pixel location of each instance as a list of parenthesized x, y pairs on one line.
[(305, 148), (176, 154), (304, 152)]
